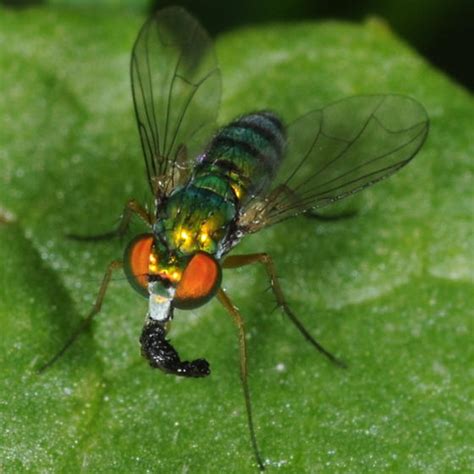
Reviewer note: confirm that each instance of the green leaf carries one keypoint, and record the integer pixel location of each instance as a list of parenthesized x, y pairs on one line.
[(389, 291), (137, 5)]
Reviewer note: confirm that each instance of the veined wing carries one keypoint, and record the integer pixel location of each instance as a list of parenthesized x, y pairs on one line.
[(176, 87), (339, 150)]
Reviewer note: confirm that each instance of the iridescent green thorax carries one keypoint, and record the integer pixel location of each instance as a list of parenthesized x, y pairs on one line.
[(240, 161), (196, 218)]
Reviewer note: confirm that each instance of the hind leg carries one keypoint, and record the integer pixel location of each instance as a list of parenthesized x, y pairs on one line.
[(235, 261)]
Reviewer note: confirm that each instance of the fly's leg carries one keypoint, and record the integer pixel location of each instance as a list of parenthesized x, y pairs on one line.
[(330, 218), (162, 355), (115, 265), (227, 303), (131, 207), (236, 261)]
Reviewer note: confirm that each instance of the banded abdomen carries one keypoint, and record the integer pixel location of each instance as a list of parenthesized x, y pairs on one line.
[(245, 154)]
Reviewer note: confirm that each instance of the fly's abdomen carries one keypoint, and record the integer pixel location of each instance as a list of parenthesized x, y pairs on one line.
[(246, 153)]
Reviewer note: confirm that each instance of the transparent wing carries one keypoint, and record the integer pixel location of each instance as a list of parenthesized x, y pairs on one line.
[(176, 87), (339, 150)]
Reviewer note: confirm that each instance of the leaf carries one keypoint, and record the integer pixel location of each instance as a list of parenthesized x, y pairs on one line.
[(137, 5), (390, 291)]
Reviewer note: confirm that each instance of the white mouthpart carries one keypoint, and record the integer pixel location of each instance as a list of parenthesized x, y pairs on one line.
[(159, 306)]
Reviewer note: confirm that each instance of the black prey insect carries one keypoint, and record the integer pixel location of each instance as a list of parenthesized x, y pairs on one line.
[(211, 189)]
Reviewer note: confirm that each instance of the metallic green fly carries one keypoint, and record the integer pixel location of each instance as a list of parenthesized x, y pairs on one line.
[(213, 188)]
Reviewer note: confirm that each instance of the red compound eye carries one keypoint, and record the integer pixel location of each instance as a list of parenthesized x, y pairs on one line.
[(199, 283), (137, 262)]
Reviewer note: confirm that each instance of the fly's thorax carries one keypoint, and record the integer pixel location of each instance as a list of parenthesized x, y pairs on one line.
[(197, 217)]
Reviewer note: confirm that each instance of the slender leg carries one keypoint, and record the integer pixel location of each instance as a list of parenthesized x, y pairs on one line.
[(225, 301), (162, 355), (115, 265), (235, 261), (131, 207), (329, 218)]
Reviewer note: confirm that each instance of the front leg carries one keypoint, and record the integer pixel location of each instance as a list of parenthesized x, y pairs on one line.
[(131, 207), (162, 355)]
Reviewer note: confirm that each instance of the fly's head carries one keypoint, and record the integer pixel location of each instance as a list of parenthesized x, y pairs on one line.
[(168, 279)]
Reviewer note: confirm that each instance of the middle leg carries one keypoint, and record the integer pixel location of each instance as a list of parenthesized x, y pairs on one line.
[(235, 261), (233, 311)]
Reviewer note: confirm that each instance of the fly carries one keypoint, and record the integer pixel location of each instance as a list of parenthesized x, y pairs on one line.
[(212, 188)]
